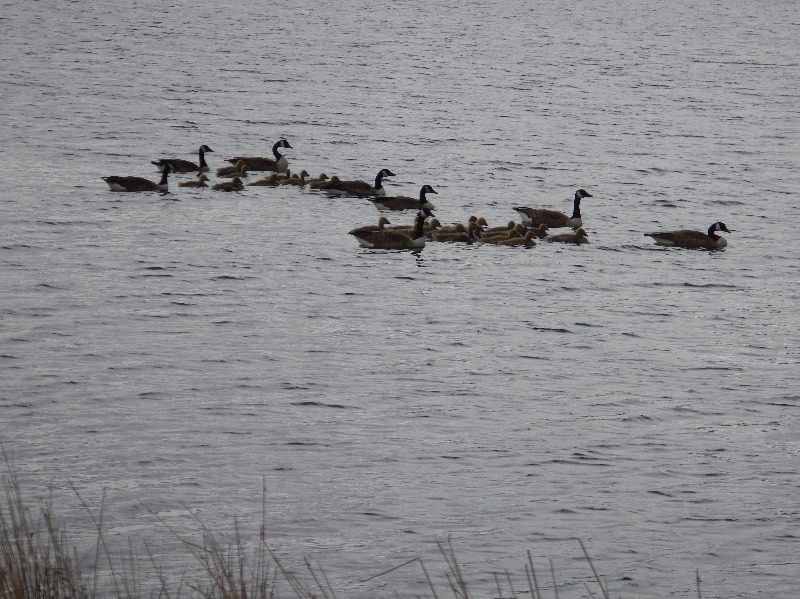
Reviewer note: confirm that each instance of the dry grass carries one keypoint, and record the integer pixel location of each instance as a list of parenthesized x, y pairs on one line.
[(36, 562)]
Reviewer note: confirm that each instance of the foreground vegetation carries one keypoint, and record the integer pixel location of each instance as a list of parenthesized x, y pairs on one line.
[(36, 561)]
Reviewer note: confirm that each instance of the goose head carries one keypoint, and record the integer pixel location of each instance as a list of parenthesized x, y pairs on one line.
[(481, 222), (717, 226), (582, 193), (204, 148)]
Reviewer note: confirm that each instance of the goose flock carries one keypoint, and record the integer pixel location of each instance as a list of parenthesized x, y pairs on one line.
[(535, 224)]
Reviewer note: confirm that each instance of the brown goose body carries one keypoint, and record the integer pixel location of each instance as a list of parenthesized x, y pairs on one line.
[(261, 163), (315, 182), (553, 218), (540, 231), (297, 180), (234, 184), (270, 181), (504, 229), (199, 182), (499, 237), (116, 183), (237, 170), (381, 226), (180, 165), (459, 234), (406, 203), (578, 237), (693, 240), (393, 240), (356, 188), (526, 241)]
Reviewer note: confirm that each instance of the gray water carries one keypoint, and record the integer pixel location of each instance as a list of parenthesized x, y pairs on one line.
[(174, 349)]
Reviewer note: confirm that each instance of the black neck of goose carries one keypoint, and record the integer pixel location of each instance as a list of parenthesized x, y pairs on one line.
[(576, 207), (202, 156), (275, 151), (419, 227), (379, 181), (423, 195), (711, 233), (164, 173)]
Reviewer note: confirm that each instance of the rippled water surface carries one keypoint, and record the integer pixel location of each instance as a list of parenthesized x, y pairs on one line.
[(175, 349)]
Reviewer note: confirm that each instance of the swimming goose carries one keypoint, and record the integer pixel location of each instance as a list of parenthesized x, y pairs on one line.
[(554, 218), (404, 202), (234, 184), (186, 166), (693, 240), (459, 233), (526, 241), (259, 163), (299, 180), (407, 203), (138, 183), (504, 229), (271, 181), (199, 182), (428, 227), (540, 231), (315, 182), (237, 170), (381, 226), (577, 237), (357, 188), (394, 240), (498, 237)]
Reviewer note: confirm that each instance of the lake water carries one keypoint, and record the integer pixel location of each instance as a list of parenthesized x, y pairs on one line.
[(175, 349)]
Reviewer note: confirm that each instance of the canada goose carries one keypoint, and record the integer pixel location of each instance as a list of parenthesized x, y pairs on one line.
[(459, 233), (315, 182), (270, 181), (186, 166), (138, 183), (428, 227), (237, 170), (259, 163), (526, 241), (540, 231), (381, 226), (234, 184), (444, 233), (577, 237), (500, 236), (554, 218), (299, 180), (357, 188), (504, 229), (693, 240), (199, 182), (394, 240), (405, 202)]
